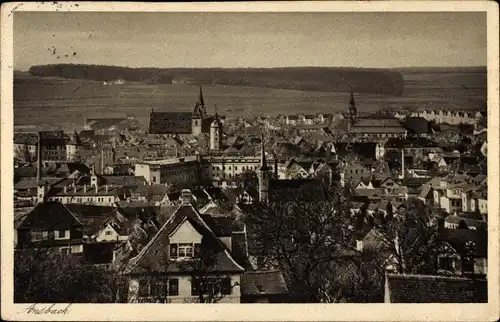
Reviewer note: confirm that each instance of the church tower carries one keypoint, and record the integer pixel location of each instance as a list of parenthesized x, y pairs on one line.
[(352, 113), (199, 114), (264, 175), (216, 133)]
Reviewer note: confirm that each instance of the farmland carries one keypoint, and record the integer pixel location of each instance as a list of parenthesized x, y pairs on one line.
[(54, 102)]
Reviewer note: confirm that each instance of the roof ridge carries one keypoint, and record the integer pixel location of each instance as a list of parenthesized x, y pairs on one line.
[(78, 220), (148, 245), (217, 238), (422, 276)]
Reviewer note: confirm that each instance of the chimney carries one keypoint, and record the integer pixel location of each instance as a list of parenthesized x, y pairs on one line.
[(186, 196), (74, 188), (65, 189), (85, 188), (39, 159), (106, 188), (96, 189)]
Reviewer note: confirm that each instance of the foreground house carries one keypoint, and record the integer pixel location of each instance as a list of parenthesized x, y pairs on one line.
[(170, 267), (69, 229)]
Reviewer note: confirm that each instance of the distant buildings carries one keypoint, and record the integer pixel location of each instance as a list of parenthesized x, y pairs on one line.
[(373, 128), (183, 123), (55, 146), (449, 116)]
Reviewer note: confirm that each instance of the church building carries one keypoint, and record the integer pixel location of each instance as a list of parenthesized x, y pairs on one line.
[(372, 127), (183, 123)]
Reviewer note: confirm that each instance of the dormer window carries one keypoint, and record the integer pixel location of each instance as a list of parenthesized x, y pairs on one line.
[(184, 250)]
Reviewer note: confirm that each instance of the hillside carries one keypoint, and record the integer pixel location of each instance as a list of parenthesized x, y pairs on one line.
[(321, 79)]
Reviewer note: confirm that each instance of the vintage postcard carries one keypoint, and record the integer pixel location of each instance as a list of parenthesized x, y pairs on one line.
[(248, 161)]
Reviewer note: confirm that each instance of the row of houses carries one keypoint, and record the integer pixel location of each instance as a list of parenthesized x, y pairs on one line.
[(447, 116)]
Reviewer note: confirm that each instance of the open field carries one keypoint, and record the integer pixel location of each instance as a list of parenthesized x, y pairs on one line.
[(62, 103)]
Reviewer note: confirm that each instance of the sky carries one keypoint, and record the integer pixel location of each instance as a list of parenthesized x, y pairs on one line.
[(368, 39)]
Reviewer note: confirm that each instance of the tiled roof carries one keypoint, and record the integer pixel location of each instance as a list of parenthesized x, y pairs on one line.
[(459, 237), (434, 289), (92, 217), (170, 123), (376, 130), (25, 138), (31, 182), (377, 122), (417, 125), (154, 256), (140, 210), (263, 283), (124, 181), (50, 216), (221, 226)]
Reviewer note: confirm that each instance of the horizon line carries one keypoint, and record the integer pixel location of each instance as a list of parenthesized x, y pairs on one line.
[(257, 67)]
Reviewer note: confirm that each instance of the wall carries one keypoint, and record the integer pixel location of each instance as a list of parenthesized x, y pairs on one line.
[(185, 234), (143, 170), (101, 200), (112, 236), (185, 291), (483, 206)]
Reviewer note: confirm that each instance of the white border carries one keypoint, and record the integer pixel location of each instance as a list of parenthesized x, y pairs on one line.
[(262, 312)]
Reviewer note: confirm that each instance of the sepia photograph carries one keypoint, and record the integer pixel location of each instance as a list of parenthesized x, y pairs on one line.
[(245, 156)]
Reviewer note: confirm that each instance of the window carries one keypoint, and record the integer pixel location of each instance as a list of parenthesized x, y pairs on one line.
[(180, 251), (65, 250), (173, 251), (60, 234), (446, 264), (143, 287), (36, 235), (108, 232), (185, 250), (212, 286), (235, 168), (173, 287)]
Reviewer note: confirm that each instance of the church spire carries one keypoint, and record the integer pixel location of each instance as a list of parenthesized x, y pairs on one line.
[(199, 108), (200, 98)]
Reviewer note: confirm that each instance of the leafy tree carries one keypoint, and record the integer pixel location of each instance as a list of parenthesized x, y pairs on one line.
[(411, 239), (48, 276), (306, 233), (207, 283)]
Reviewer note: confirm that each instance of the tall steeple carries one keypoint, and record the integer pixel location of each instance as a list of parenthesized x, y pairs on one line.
[(198, 115), (200, 98)]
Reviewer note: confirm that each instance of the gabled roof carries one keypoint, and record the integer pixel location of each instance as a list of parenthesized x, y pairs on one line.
[(459, 237), (221, 226), (124, 181), (170, 123), (154, 256), (136, 209), (92, 217), (263, 283), (417, 125), (50, 216), (434, 289)]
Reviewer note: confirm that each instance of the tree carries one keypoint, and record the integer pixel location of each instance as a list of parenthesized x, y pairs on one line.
[(207, 283), (42, 275), (307, 233), (411, 239)]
